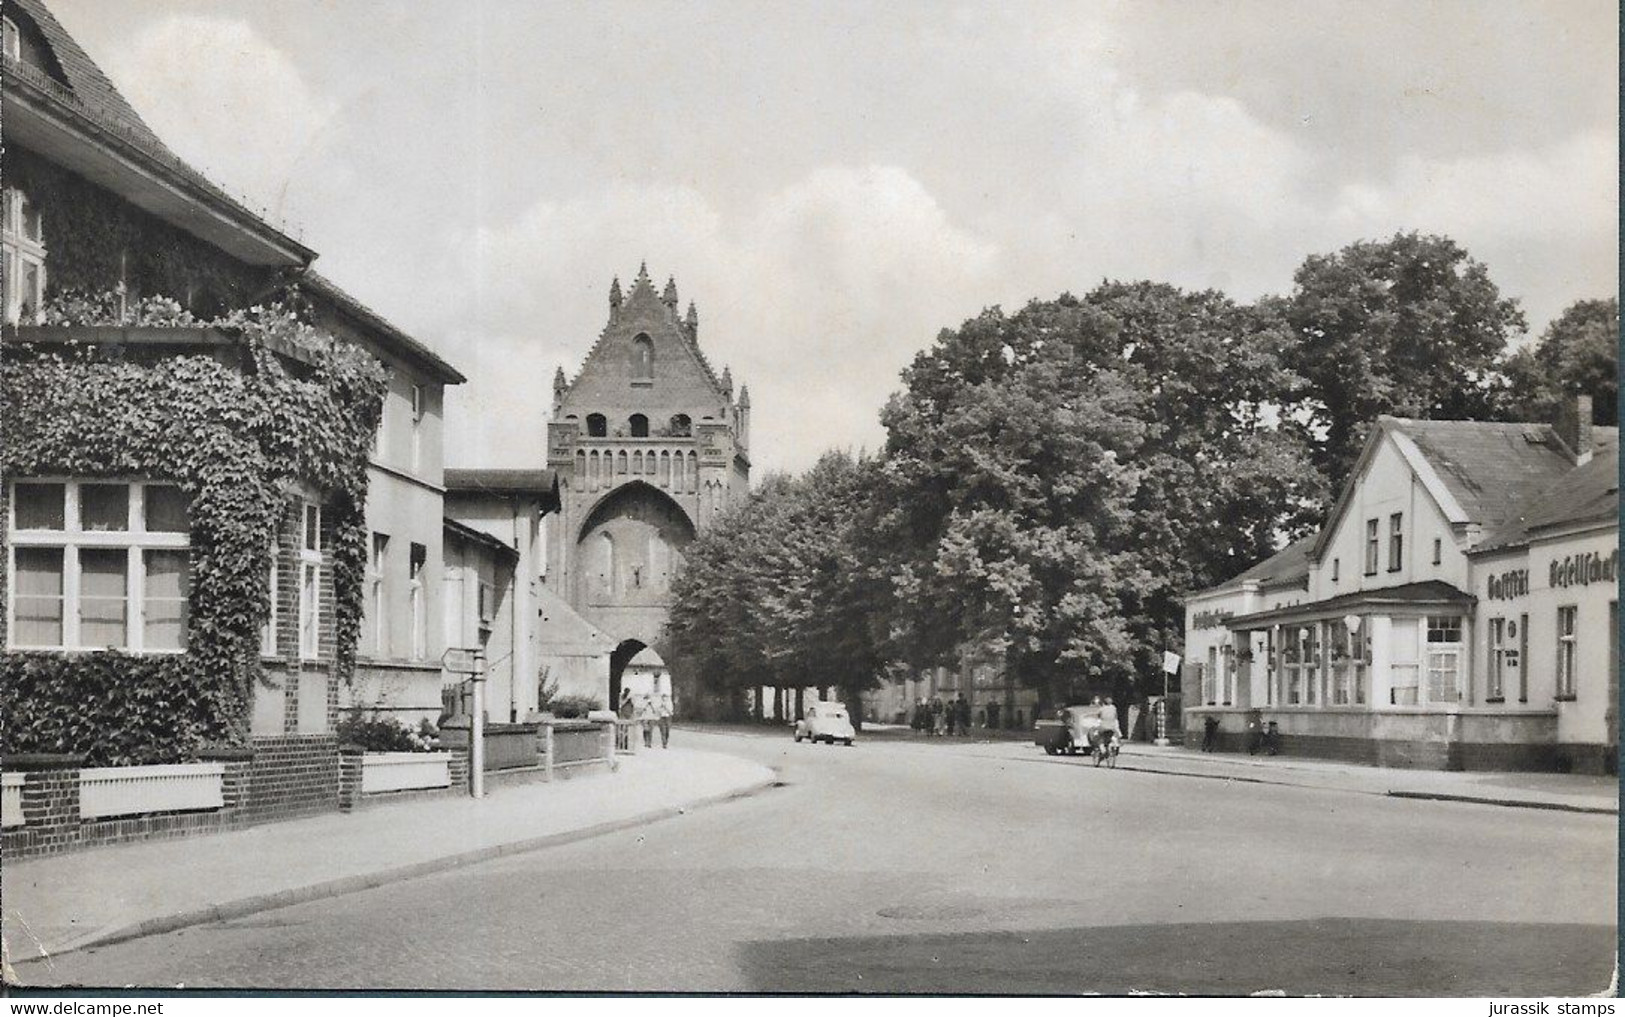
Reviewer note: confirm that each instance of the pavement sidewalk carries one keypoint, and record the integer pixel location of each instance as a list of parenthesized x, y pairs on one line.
[(1560, 791), (101, 895)]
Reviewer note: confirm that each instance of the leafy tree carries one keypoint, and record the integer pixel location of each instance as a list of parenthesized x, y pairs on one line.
[(1577, 354), (1056, 479), (779, 593), (1410, 326)]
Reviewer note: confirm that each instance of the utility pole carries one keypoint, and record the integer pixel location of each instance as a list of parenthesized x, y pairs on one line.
[(476, 753)]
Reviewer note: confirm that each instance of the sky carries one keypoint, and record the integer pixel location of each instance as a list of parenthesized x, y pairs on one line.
[(834, 183)]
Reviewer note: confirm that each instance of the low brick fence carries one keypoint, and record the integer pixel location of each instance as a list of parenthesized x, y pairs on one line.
[(46, 810)]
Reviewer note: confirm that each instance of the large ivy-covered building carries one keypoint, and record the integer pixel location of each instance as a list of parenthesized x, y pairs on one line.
[(224, 492)]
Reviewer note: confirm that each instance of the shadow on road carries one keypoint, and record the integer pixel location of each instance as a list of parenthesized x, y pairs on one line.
[(1327, 956)]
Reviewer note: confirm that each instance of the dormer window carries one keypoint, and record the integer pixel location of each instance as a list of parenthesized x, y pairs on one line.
[(13, 41), (22, 243)]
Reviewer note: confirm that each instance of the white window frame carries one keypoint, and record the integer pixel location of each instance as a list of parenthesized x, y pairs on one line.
[(11, 40), (1495, 670), (420, 407), (310, 581), (1567, 652), (1396, 542), (71, 539), (378, 592), (20, 249), (1434, 655), (1373, 546), (417, 599)]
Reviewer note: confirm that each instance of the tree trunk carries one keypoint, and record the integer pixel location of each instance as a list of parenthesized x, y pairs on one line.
[(801, 701)]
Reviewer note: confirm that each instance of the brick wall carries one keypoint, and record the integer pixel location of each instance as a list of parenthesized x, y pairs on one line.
[(50, 805), (293, 775)]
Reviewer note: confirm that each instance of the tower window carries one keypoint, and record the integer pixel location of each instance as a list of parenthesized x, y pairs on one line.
[(597, 427), (639, 425), (643, 359), (681, 427)]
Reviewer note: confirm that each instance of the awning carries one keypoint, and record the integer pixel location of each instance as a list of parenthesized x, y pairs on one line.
[(1414, 596)]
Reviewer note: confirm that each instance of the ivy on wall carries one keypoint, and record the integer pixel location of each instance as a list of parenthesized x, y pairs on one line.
[(234, 440), (98, 241)]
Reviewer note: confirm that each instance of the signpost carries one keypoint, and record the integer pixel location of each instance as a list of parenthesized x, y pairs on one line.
[(1170, 665), (471, 661)]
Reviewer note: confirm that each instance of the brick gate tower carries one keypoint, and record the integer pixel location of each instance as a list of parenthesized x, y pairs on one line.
[(650, 446)]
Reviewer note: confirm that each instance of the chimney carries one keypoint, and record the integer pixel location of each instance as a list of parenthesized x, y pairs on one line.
[(1574, 427)]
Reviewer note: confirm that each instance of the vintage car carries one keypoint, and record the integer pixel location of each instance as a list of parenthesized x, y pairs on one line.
[(826, 722), (1076, 729)]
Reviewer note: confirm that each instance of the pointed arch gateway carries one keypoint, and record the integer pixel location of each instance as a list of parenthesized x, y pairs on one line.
[(632, 544)]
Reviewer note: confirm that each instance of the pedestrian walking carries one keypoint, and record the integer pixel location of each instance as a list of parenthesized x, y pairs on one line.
[(646, 718), (936, 716), (627, 710), (963, 709), (663, 712)]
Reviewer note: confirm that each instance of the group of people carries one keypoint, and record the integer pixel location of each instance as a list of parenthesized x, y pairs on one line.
[(649, 711), (938, 719)]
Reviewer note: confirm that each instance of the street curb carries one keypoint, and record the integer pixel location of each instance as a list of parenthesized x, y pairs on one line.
[(1509, 803), (368, 881)]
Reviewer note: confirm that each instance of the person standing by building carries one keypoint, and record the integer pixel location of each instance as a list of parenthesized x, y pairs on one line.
[(627, 710), (950, 717), (663, 713), (962, 707)]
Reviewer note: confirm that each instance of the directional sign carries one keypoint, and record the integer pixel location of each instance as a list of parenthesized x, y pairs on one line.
[(460, 660)]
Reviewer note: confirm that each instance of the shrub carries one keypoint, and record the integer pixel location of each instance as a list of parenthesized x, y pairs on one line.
[(383, 734), (572, 707)]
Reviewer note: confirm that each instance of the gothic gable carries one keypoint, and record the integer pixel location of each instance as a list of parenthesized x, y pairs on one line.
[(646, 361)]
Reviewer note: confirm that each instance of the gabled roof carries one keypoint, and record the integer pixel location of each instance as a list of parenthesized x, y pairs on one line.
[(1588, 494), (389, 336), (1286, 567), (1479, 472), (88, 106)]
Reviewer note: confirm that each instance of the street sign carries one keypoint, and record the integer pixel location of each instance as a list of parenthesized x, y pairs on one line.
[(1170, 662), (460, 660)]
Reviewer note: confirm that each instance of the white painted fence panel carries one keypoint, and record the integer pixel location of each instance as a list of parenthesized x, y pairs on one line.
[(132, 790), (404, 771), (11, 805)]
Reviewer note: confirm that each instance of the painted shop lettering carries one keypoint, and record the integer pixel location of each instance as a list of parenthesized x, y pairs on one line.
[(1509, 584), (1584, 569)]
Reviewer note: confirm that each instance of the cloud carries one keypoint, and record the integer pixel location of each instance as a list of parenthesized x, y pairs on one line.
[(231, 104), (816, 297)]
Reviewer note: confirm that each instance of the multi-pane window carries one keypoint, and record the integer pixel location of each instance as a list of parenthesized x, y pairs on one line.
[(1396, 542), (418, 597), (1567, 622), (1350, 655), (99, 565), (22, 244), (1444, 658), (377, 593), (310, 580), (1372, 540), (11, 41)]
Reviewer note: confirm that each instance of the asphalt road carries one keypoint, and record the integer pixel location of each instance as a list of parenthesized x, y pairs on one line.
[(932, 867)]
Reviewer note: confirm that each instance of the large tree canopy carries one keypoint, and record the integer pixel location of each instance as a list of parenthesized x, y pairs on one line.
[(1578, 354), (1059, 477), (779, 593), (1410, 326)]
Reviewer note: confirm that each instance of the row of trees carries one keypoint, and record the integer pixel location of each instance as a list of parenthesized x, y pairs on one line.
[(1054, 480)]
